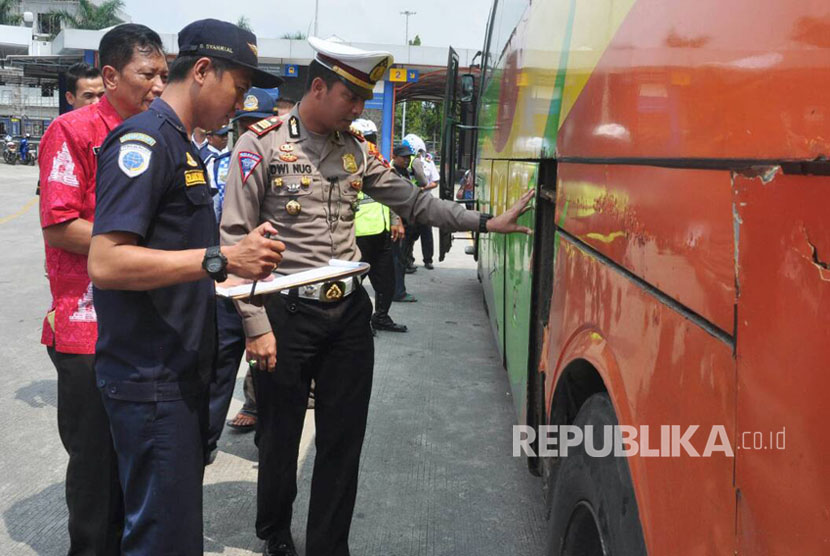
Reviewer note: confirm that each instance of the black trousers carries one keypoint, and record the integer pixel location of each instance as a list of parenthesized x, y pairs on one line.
[(414, 232), (331, 343), (377, 251), (230, 348), (93, 493)]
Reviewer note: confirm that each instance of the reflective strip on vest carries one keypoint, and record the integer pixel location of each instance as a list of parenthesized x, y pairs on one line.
[(372, 217)]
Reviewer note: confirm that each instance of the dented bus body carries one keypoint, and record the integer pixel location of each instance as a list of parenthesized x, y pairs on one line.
[(680, 262)]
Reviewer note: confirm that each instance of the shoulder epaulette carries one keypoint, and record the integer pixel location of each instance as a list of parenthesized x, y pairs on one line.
[(357, 135), (264, 126)]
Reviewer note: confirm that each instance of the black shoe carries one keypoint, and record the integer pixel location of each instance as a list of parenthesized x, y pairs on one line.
[(280, 547), (411, 269), (428, 266), (386, 323)]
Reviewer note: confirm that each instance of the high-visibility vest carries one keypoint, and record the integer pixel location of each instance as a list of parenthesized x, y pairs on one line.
[(371, 217)]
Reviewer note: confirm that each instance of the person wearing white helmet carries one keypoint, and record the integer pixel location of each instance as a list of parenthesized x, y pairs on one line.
[(421, 177)]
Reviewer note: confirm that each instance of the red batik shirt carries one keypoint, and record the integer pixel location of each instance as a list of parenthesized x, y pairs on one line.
[(67, 157)]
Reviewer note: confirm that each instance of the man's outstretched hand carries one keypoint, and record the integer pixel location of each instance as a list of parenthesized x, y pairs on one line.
[(505, 223)]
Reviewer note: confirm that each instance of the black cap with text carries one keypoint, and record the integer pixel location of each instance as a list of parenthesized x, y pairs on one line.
[(220, 39)]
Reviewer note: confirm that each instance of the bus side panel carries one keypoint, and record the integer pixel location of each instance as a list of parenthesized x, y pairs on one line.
[(660, 369), (783, 353), (680, 80), (496, 254), (671, 227), (518, 283), (484, 191)]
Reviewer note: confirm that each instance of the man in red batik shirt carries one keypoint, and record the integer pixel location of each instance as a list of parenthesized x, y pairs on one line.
[(134, 71)]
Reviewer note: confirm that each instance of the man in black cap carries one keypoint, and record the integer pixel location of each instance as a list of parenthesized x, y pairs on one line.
[(153, 259)]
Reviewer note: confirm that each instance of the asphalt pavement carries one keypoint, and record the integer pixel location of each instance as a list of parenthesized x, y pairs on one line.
[(437, 477)]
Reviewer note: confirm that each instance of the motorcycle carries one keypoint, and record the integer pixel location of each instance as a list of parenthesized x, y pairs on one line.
[(10, 154)]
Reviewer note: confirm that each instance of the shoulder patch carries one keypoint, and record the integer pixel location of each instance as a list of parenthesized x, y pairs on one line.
[(357, 135), (134, 159), (248, 161), (137, 136), (264, 126)]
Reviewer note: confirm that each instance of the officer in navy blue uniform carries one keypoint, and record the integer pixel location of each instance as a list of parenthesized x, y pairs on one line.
[(153, 260), (256, 105)]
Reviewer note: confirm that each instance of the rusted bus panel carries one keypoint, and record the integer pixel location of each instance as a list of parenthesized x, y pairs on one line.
[(709, 79), (671, 227), (783, 350), (660, 369)]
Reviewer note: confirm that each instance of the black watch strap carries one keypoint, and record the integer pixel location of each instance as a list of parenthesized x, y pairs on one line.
[(482, 222), (215, 264)]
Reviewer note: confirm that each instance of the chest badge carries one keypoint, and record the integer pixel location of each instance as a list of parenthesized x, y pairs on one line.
[(349, 163), (278, 182), (293, 127), (305, 181), (357, 185), (293, 207), (287, 148), (288, 157), (190, 160), (293, 187)]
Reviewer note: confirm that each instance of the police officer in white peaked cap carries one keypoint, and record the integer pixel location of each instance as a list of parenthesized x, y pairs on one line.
[(303, 173)]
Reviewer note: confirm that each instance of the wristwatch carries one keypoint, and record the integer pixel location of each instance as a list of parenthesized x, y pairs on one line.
[(215, 264), (482, 222)]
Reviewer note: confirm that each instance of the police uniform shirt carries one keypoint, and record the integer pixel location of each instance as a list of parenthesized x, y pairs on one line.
[(310, 196), (155, 344)]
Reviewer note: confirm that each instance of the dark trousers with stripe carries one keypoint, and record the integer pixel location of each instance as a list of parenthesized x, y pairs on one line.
[(332, 344)]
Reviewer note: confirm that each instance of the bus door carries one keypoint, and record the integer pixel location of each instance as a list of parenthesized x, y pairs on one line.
[(457, 144)]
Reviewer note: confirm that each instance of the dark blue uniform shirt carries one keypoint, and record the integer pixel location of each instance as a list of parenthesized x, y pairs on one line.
[(159, 344)]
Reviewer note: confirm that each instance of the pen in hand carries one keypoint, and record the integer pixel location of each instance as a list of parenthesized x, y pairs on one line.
[(253, 286)]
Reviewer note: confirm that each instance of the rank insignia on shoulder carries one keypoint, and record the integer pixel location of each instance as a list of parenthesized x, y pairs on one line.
[(190, 160), (194, 177), (288, 157), (287, 148), (349, 163), (357, 185), (264, 126), (294, 127), (357, 135)]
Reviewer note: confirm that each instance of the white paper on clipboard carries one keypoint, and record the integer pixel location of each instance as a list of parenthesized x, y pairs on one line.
[(337, 269)]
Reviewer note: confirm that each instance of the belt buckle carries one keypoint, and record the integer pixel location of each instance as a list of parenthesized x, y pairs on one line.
[(334, 291)]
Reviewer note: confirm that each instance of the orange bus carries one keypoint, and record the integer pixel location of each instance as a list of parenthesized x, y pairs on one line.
[(679, 275)]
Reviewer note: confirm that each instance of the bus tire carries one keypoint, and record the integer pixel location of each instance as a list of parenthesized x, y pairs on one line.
[(594, 509)]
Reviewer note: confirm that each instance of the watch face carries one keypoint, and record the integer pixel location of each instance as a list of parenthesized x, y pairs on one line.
[(214, 264)]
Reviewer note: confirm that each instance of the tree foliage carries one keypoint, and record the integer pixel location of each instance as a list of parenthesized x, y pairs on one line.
[(93, 16), (9, 12), (295, 36), (423, 119), (416, 41), (244, 23)]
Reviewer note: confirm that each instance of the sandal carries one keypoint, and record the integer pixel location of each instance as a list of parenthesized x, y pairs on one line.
[(242, 422)]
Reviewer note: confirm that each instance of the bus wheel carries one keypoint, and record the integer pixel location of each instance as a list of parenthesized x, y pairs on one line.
[(594, 511)]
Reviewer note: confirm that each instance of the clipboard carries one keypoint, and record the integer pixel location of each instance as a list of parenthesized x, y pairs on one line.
[(337, 269)]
